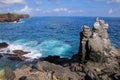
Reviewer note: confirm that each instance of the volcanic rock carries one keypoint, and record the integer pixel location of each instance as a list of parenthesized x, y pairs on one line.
[(46, 71), (20, 52), (100, 59), (3, 45), (10, 17), (9, 74)]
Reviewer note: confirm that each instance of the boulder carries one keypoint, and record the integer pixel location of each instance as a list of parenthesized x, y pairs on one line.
[(46, 71), (3, 45), (58, 71), (20, 52), (9, 74)]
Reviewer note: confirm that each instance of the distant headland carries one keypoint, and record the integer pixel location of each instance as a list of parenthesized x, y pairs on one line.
[(11, 17)]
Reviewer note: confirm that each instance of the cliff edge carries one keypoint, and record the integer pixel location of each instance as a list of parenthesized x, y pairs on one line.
[(10, 17)]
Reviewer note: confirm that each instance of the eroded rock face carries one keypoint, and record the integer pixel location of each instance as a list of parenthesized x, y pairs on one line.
[(85, 35), (95, 42), (100, 57)]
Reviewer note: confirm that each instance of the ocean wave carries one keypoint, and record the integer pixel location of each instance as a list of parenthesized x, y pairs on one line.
[(43, 49)]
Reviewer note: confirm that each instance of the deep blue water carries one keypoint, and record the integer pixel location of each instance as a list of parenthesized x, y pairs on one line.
[(45, 36)]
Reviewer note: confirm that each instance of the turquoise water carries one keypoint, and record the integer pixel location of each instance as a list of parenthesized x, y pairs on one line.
[(44, 36)]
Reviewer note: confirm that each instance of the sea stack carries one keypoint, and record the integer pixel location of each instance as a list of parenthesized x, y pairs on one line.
[(99, 57), (95, 43)]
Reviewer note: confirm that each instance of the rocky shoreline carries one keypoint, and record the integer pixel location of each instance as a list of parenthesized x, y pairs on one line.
[(96, 59), (11, 17)]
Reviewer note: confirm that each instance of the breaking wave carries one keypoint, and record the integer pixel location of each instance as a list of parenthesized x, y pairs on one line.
[(41, 49)]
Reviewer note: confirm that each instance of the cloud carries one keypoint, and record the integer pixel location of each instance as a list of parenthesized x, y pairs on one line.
[(26, 9), (9, 2), (38, 2), (113, 1), (117, 1), (110, 11), (61, 10)]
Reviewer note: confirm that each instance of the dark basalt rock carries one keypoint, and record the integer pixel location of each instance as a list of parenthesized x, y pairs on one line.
[(55, 60), (1, 56), (13, 57), (3, 45), (20, 52)]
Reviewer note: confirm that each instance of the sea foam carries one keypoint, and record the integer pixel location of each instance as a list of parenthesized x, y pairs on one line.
[(40, 49)]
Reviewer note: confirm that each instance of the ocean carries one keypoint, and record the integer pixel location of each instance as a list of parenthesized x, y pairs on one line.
[(43, 36)]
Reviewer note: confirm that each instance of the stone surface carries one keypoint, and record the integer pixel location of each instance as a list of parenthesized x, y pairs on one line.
[(101, 60), (3, 45), (46, 71), (20, 52), (94, 42), (9, 74)]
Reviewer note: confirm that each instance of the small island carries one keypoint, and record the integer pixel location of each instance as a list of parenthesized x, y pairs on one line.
[(11, 17)]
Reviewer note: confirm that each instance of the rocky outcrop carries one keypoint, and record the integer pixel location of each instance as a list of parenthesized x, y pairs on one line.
[(97, 54), (46, 71), (3, 45), (9, 17), (20, 52), (95, 42), (7, 74)]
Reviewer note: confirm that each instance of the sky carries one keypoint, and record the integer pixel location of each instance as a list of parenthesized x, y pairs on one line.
[(102, 8)]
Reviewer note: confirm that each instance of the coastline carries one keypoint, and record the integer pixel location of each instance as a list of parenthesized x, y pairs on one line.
[(12, 17), (78, 67)]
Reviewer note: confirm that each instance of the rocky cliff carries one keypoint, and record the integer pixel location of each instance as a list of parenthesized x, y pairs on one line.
[(97, 59), (9, 17)]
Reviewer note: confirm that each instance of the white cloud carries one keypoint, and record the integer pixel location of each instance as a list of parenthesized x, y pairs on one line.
[(60, 10), (113, 1), (117, 1), (66, 10), (26, 9), (8, 2), (110, 11)]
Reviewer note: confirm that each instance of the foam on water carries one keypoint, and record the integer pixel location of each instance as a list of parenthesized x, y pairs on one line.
[(43, 49), (53, 47)]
